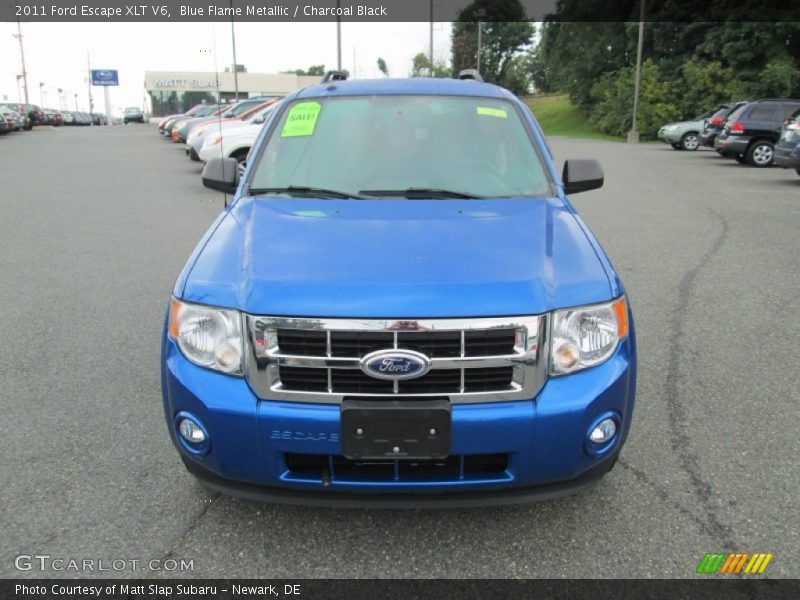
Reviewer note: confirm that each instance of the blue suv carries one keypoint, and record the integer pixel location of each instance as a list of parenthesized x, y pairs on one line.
[(399, 307)]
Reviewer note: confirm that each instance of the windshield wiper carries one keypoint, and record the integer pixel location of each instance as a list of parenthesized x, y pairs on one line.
[(303, 191), (419, 193)]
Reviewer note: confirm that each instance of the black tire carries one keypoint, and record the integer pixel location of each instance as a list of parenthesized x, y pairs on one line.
[(676, 146), (690, 141), (760, 153), (798, 171), (741, 159)]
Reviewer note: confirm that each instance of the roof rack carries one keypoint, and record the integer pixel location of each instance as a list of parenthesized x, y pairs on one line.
[(334, 76), (470, 74)]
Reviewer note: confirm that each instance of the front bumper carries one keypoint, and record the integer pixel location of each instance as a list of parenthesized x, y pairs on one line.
[(544, 439), (669, 136), (708, 137)]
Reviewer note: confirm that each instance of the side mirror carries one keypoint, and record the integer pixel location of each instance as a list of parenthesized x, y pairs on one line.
[(221, 174), (258, 120), (581, 175)]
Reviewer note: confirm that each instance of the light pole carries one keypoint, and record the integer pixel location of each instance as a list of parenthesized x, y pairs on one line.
[(41, 93), (76, 102), (633, 134), (338, 36), (430, 46), (89, 82), (18, 35), (19, 88), (235, 66), (60, 99), (478, 14), (479, 47)]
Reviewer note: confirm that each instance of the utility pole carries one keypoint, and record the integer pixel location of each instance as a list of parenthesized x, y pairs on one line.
[(338, 36), (76, 102), (480, 27), (89, 81), (235, 66), (633, 134), (18, 35), (430, 45), (19, 88)]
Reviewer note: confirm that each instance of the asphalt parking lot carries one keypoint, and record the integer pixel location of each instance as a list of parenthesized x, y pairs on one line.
[(95, 224)]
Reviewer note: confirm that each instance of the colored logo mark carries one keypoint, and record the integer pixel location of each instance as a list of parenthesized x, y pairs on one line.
[(733, 563)]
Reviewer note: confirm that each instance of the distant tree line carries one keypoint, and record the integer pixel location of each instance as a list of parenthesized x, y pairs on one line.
[(688, 68)]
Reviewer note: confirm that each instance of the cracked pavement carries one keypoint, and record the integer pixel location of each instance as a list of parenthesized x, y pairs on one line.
[(96, 224)]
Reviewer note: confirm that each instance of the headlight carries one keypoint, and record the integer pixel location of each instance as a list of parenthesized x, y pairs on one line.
[(209, 337), (586, 336)]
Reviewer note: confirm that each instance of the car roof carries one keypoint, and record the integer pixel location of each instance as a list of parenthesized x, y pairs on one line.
[(775, 100), (414, 85)]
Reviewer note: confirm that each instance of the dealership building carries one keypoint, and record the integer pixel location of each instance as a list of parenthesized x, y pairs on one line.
[(177, 91)]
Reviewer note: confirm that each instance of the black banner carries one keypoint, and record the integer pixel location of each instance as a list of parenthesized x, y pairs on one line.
[(395, 10), (401, 589)]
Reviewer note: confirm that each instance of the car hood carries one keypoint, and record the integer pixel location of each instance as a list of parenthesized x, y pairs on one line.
[(397, 258)]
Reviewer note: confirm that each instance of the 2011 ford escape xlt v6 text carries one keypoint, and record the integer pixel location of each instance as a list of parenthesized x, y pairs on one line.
[(399, 307)]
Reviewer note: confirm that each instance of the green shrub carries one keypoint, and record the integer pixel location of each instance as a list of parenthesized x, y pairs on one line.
[(612, 96)]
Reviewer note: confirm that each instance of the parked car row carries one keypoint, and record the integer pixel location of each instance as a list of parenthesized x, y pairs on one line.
[(17, 117), (759, 132), (210, 131)]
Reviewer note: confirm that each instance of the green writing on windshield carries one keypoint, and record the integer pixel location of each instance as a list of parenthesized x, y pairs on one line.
[(301, 120)]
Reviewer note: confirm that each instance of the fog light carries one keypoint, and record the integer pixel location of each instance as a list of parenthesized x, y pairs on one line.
[(191, 431), (603, 431)]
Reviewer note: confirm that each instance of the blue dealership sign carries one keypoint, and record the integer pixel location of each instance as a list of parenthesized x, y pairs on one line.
[(105, 77)]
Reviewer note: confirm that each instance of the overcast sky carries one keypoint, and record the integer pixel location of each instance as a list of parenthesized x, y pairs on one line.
[(55, 53)]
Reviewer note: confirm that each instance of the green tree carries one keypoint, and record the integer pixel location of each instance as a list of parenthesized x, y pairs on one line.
[(570, 57), (702, 86), (312, 71), (504, 33), (421, 67), (382, 67), (612, 101)]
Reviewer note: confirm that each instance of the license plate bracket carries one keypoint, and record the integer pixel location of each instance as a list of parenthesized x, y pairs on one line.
[(398, 429)]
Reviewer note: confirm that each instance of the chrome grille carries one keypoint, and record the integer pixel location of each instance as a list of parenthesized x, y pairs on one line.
[(471, 360)]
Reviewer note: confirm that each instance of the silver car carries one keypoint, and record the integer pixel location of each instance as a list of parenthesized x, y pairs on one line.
[(684, 135)]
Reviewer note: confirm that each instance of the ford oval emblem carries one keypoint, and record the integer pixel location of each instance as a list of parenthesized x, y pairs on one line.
[(395, 364)]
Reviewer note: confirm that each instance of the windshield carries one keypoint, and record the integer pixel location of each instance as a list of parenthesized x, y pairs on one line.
[(355, 144), (206, 111), (720, 112), (240, 108), (261, 114)]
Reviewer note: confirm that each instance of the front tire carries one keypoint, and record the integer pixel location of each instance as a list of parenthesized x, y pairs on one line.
[(690, 141), (760, 154)]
